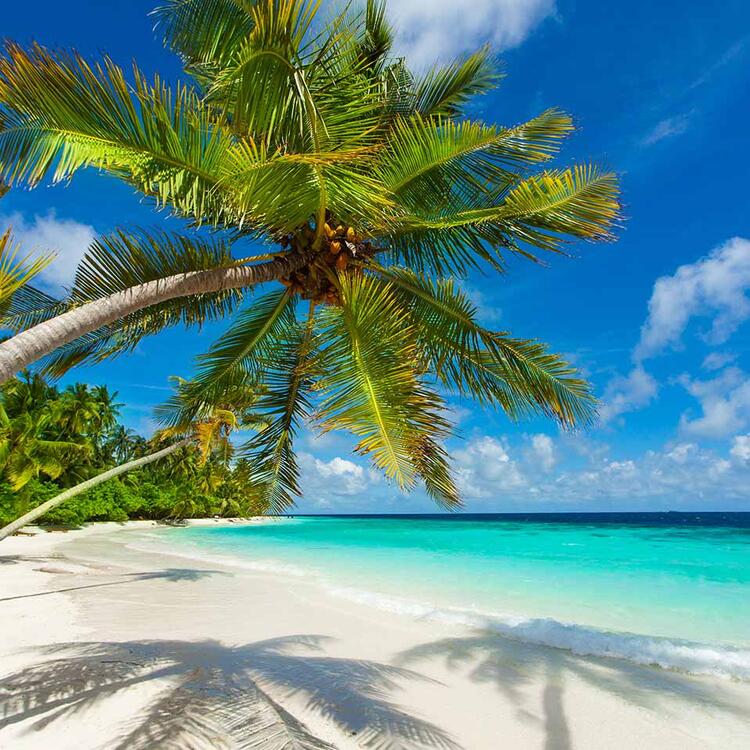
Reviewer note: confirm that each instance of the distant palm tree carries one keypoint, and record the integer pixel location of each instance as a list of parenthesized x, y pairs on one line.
[(26, 451), (122, 443), (371, 186), (208, 432)]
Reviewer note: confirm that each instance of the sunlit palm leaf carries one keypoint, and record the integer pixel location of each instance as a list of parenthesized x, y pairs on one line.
[(370, 384), (444, 91), (249, 345), (521, 377), (15, 271), (60, 114), (285, 404)]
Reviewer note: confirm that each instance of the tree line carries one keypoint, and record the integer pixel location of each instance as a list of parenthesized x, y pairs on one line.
[(54, 438)]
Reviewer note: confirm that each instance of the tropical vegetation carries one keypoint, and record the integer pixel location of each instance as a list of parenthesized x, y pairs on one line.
[(55, 444), (372, 190)]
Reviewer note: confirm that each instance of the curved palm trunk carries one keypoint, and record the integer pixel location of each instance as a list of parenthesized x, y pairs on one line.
[(53, 502), (27, 347)]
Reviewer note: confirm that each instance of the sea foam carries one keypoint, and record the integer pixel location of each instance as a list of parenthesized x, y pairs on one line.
[(668, 653)]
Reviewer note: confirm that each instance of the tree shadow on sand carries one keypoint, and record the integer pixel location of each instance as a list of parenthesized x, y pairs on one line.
[(511, 665), (215, 697), (175, 575)]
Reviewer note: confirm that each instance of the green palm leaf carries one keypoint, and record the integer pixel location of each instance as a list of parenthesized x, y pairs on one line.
[(444, 91), (60, 114), (370, 384), (15, 271), (285, 404), (521, 377), (250, 345)]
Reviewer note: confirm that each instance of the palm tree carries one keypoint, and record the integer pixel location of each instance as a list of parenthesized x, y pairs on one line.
[(121, 443), (27, 451), (208, 433), (372, 189)]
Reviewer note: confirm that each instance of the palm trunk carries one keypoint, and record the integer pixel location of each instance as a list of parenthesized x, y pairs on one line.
[(27, 347), (40, 510)]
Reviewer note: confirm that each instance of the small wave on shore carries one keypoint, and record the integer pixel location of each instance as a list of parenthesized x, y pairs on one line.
[(675, 654)]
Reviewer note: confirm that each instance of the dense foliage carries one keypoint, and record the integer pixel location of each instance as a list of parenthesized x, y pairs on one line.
[(52, 438)]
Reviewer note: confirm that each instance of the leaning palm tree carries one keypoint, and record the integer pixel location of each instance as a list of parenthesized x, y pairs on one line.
[(207, 432), (372, 190)]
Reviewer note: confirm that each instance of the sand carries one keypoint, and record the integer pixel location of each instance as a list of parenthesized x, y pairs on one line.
[(106, 646)]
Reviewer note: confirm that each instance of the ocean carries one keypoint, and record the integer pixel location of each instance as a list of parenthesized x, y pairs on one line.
[(670, 589)]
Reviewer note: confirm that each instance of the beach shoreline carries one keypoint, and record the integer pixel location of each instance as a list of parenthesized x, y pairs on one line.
[(100, 639)]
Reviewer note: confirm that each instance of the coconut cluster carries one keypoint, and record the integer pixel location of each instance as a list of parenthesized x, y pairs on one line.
[(340, 247)]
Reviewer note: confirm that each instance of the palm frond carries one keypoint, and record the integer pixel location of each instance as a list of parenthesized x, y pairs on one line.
[(16, 271), (521, 377), (436, 157), (263, 86), (376, 36), (432, 465), (444, 91), (285, 404), (250, 344), (542, 212), (30, 306), (204, 32), (60, 114), (370, 384)]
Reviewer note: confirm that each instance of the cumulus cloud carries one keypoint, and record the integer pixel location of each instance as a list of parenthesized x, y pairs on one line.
[(484, 468), (679, 476), (741, 448), (430, 30), (338, 476), (724, 402), (682, 452), (717, 360), (68, 238), (667, 128), (544, 451), (627, 393), (715, 287)]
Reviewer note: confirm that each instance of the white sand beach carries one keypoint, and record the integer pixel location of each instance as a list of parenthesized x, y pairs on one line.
[(106, 646)]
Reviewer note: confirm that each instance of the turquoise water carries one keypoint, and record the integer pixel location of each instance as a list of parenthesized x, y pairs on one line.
[(582, 582)]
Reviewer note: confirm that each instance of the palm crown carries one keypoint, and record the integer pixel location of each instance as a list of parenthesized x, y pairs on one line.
[(373, 189)]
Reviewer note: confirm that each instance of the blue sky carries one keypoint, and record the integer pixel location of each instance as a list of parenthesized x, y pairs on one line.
[(658, 321)]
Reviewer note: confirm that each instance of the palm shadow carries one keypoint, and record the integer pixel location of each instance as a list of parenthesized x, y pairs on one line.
[(510, 665), (174, 575), (215, 696)]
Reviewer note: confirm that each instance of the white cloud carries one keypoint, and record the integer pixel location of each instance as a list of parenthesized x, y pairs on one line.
[(717, 360), (544, 450), (741, 448), (627, 393), (68, 238), (667, 128), (681, 453), (725, 404), (484, 468), (715, 286), (430, 30), (681, 476), (338, 476)]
